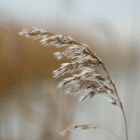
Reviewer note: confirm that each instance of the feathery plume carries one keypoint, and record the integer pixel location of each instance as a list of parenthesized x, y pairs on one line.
[(86, 127), (85, 72)]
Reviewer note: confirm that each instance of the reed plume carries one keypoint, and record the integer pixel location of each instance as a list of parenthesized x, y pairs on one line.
[(84, 71), (87, 127)]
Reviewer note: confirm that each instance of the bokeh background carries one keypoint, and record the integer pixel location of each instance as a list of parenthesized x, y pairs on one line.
[(31, 107)]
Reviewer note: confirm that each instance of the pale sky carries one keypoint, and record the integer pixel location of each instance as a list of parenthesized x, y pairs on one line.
[(123, 14)]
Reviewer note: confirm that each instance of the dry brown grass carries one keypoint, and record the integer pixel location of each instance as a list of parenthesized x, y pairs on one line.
[(86, 70), (20, 68)]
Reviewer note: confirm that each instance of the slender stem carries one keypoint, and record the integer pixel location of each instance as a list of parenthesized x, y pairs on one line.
[(120, 103), (125, 121)]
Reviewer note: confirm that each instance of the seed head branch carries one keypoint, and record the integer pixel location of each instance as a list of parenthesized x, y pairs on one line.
[(82, 69)]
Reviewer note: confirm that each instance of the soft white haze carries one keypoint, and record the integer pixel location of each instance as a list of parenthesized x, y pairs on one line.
[(122, 14)]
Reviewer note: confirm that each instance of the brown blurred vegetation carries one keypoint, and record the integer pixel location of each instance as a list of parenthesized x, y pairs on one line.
[(22, 60), (26, 66)]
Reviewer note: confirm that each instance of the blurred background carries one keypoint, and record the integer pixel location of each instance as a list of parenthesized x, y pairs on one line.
[(31, 107)]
